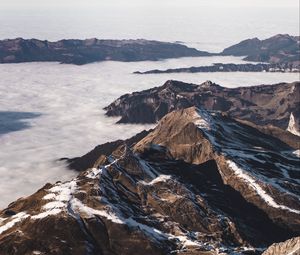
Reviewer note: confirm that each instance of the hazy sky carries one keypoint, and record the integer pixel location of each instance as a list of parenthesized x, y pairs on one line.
[(216, 3), (211, 24)]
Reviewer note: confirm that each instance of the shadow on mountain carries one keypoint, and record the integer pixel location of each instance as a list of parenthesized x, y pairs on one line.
[(15, 121)]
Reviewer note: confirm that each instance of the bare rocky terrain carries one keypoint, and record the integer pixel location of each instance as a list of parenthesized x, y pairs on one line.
[(81, 52), (281, 48), (265, 105), (199, 183)]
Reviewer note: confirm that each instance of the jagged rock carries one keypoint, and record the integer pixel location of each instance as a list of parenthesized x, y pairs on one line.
[(289, 247), (98, 155), (236, 194), (81, 52), (263, 105)]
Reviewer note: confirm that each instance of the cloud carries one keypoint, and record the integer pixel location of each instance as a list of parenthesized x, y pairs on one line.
[(70, 99)]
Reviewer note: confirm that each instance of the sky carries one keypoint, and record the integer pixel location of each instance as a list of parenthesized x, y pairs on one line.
[(33, 4)]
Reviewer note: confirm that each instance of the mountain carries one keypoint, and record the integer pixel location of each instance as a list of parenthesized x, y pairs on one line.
[(91, 50), (199, 183), (219, 67), (277, 105), (281, 48), (289, 247)]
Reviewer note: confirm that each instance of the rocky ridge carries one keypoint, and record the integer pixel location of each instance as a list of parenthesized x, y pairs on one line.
[(289, 247), (199, 183), (281, 48), (81, 52), (219, 67), (264, 105)]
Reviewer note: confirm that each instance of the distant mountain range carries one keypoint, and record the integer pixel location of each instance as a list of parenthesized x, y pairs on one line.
[(280, 53), (220, 68), (199, 183), (282, 50), (81, 52)]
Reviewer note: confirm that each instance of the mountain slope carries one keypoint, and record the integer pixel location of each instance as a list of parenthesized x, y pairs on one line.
[(281, 48), (199, 183), (262, 105)]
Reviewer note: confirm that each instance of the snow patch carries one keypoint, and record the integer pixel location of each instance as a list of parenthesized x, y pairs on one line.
[(292, 126), (60, 194), (77, 205), (15, 219), (53, 205), (94, 172), (64, 190), (160, 178), (49, 196), (252, 183), (201, 122), (46, 214), (297, 153)]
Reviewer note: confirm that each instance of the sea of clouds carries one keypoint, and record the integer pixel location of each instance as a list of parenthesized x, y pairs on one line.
[(49, 111)]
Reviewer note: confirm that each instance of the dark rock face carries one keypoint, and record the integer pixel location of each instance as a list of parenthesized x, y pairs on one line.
[(199, 183), (81, 52), (218, 67), (277, 49), (262, 105)]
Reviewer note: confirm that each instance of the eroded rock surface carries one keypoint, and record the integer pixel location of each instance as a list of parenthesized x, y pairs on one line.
[(289, 247), (199, 183), (277, 105)]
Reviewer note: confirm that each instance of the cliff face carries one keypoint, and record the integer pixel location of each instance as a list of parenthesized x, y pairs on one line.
[(199, 183), (281, 48), (91, 50), (262, 105)]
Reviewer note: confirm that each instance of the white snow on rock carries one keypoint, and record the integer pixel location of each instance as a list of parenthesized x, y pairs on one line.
[(60, 194), (255, 186), (297, 153), (201, 122), (45, 214), (14, 219), (160, 178), (292, 126), (94, 172), (78, 206), (209, 125)]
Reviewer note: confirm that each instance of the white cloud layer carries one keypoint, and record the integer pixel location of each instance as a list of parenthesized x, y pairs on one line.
[(70, 100)]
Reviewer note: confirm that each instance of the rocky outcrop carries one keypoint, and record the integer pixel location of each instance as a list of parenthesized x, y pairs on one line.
[(98, 155), (81, 52), (281, 48), (199, 183), (289, 247), (219, 67), (262, 105)]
